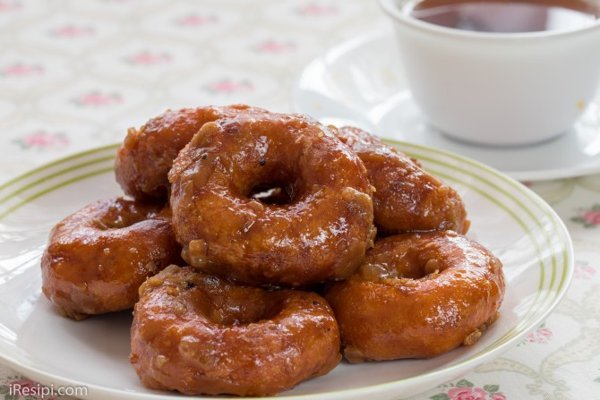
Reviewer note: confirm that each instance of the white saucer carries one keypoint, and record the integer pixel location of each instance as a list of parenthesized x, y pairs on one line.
[(360, 82)]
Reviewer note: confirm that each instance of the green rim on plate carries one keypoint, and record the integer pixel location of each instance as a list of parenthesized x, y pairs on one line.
[(41, 181)]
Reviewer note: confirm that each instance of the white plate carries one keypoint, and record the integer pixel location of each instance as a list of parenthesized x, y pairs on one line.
[(507, 217), (361, 82)]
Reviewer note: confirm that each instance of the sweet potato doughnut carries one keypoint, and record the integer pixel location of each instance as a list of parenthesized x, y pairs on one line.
[(406, 197), (98, 257), (146, 155), (199, 334), (320, 233), (417, 295)]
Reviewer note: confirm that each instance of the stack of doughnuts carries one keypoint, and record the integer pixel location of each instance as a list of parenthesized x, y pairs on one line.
[(257, 248)]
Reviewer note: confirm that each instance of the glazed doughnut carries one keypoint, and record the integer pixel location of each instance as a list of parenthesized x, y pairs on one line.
[(406, 197), (321, 232), (98, 257), (417, 295), (199, 334), (146, 155)]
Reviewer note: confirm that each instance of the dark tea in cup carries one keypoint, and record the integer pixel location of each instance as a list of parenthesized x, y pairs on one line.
[(499, 72), (506, 16)]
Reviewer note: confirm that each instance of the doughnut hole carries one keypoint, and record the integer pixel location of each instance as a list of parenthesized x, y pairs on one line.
[(409, 264), (273, 193), (233, 306), (274, 186), (266, 176)]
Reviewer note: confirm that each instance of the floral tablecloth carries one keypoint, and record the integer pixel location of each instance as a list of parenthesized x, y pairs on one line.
[(76, 74)]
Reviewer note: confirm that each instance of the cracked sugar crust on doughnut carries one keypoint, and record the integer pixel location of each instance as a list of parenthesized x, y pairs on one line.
[(98, 257), (318, 230), (406, 197), (200, 334), (146, 155), (417, 295)]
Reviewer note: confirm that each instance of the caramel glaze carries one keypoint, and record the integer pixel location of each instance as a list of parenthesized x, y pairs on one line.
[(321, 234), (199, 334), (98, 257), (417, 295), (406, 197), (146, 155)]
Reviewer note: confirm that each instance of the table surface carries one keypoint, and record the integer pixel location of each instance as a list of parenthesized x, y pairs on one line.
[(75, 74)]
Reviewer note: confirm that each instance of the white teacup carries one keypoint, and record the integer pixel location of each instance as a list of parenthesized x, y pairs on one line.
[(497, 88)]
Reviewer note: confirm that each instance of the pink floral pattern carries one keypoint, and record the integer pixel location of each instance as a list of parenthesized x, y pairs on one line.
[(147, 57), (588, 217), (317, 10), (7, 6), (583, 270), (274, 47), (96, 98), (466, 390), (541, 335), (229, 86), (20, 69), (467, 393), (72, 31), (194, 20), (42, 140)]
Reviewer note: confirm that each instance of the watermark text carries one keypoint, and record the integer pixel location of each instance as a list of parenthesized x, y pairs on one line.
[(27, 388)]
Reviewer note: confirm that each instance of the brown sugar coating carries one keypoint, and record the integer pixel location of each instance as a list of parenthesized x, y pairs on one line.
[(417, 295), (146, 155), (406, 197), (320, 232), (199, 334), (98, 257)]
